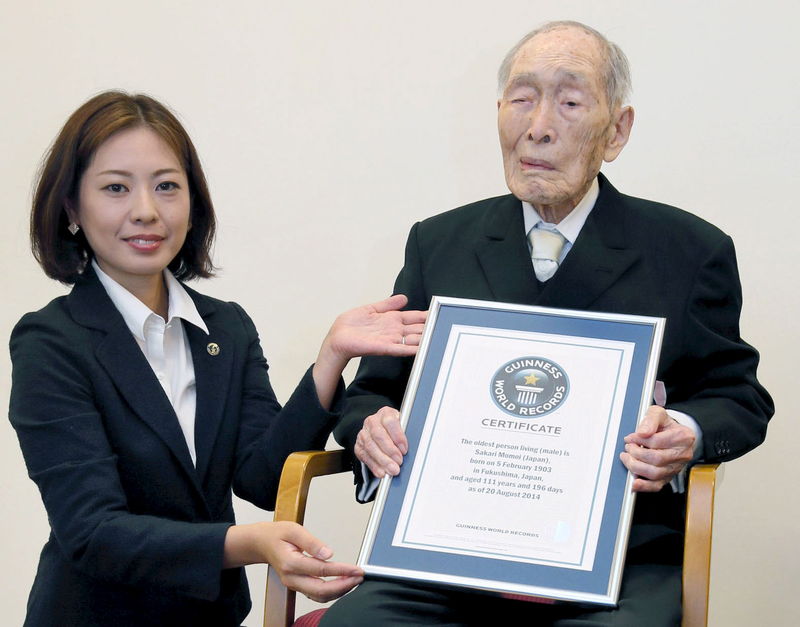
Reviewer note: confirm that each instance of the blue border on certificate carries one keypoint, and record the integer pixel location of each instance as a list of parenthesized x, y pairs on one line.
[(592, 582)]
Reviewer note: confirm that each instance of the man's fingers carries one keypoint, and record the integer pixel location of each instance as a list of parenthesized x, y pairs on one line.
[(642, 469), (648, 471), (659, 457), (377, 461), (391, 422), (674, 436), (655, 418), (645, 485), (381, 442), (384, 442), (387, 436)]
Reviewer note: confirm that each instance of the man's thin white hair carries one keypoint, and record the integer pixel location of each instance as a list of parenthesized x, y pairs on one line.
[(616, 74)]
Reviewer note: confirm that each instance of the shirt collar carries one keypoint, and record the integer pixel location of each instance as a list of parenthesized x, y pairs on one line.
[(135, 313), (570, 226), (181, 304)]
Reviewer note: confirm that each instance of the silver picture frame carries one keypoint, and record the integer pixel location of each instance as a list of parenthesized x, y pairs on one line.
[(512, 485)]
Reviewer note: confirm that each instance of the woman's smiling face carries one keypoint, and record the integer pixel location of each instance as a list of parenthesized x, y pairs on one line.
[(134, 206)]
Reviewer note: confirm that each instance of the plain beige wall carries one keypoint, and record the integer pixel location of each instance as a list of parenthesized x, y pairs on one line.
[(328, 128)]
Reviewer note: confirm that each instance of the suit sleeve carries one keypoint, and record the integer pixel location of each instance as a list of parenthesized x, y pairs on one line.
[(268, 434), (381, 381), (717, 371)]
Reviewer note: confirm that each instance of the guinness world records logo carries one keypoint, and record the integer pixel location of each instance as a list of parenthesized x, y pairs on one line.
[(529, 387)]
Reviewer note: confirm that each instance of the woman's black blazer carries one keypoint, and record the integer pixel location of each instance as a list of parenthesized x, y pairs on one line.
[(137, 530)]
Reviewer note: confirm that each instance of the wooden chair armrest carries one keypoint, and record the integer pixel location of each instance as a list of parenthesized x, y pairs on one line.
[(301, 468), (298, 471), (697, 544)]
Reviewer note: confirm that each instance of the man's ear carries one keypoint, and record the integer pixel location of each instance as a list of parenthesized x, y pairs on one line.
[(619, 132)]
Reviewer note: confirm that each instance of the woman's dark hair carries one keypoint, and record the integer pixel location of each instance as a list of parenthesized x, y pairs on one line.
[(63, 256)]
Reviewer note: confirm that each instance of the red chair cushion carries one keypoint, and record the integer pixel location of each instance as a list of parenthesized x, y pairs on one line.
[(525, 597), (311, 619)]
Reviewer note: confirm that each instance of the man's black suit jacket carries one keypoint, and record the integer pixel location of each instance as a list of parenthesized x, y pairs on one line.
[(632, 256), (137, 530)]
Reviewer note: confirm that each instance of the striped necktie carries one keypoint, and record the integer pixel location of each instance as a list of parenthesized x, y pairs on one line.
[(546, 246)]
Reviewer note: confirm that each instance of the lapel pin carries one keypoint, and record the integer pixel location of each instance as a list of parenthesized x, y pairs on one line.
[(213, 349)]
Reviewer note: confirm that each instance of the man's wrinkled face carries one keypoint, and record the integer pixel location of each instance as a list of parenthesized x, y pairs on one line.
[(554, 120)]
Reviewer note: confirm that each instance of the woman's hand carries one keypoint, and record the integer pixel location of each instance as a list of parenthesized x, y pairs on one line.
[(376, 329), (300, 559)]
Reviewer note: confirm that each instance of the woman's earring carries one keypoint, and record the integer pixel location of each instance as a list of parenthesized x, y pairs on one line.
[(73, 228)]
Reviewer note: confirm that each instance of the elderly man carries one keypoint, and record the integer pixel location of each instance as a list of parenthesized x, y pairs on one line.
[(566, 238)]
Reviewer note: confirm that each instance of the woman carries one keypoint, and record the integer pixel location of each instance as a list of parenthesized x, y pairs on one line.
[(139, 403)]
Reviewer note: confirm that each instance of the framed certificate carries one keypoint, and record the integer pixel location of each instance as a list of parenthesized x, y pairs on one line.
[(515, 417)]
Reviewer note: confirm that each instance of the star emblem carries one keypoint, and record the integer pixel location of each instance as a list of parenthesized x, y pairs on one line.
[(531, 379)]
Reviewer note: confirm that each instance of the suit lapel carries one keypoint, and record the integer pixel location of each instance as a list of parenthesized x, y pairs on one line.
[(127, 366), (212, 371), (600, 256), (504, 256)]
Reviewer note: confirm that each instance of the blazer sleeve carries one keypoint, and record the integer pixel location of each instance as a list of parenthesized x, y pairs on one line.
[(715, 377), (268, 434)]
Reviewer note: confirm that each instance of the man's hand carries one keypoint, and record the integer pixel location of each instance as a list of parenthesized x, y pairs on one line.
[(658, 450), (381, 443)]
